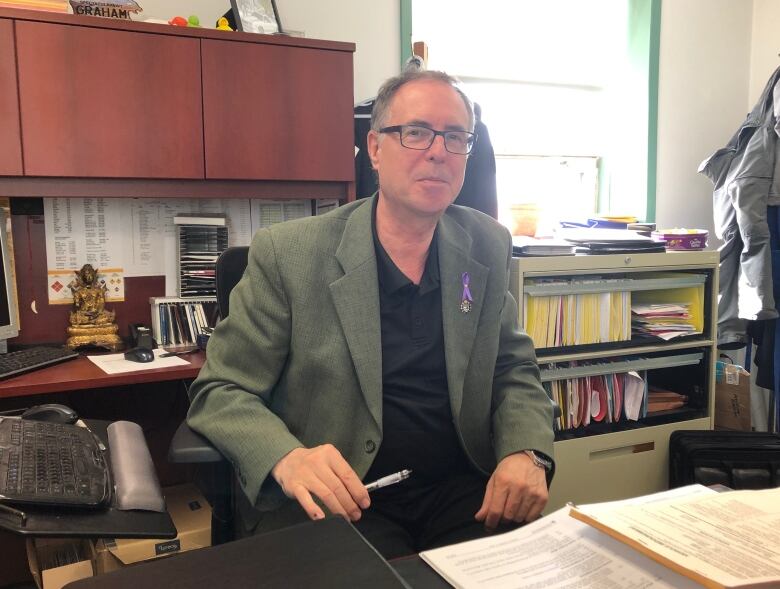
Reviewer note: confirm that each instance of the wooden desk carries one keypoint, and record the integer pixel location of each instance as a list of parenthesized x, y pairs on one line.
[(80, 374)]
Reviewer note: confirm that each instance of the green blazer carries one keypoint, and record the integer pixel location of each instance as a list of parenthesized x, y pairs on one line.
[(298, 362)]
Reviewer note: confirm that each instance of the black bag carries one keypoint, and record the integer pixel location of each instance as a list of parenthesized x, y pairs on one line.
[(739, 460)]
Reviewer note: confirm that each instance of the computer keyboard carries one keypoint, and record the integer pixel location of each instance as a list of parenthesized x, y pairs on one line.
[(32, 358), (51, 464)]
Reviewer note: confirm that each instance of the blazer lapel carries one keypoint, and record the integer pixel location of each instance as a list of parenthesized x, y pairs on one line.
[(356, 298), (460, 328)]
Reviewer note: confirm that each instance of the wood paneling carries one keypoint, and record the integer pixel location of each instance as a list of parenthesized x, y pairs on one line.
[(277, 113), (106, 103), (10, 140)]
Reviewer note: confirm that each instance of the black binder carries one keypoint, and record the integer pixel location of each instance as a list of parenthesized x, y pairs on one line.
[(323, 554)]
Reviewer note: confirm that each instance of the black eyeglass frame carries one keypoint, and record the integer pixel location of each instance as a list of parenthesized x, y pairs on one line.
[(470, 142)]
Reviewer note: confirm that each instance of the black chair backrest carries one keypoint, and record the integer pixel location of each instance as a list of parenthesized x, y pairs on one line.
[(229, 269)]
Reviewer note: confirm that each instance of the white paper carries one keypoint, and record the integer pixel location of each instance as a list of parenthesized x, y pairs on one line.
[(265, 213), (116, 363), (555, 552), (83, 231), (731, 538), (633, 394), (130, 236)]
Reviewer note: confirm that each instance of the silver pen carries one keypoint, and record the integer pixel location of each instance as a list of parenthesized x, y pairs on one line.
[(390, 479)]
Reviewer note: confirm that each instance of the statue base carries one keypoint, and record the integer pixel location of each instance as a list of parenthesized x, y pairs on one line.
[(104, 336)]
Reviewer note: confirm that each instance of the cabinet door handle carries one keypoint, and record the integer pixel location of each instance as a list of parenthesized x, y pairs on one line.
[(622, 450)]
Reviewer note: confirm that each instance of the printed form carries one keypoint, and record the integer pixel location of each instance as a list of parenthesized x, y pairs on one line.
[(554, 552)]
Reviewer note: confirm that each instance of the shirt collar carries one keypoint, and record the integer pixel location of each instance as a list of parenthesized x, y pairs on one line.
[(391, 279)]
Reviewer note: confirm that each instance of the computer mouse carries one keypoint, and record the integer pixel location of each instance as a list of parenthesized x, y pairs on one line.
[(139, 355), (52, 412)]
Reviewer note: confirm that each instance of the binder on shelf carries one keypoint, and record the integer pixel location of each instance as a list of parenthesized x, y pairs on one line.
[(200, 240), (179, 321)]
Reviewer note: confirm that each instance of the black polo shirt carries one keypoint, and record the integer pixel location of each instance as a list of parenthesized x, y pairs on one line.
[(417, 423)]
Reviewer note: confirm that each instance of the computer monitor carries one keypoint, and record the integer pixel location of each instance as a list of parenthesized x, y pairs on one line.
[(9, 318)]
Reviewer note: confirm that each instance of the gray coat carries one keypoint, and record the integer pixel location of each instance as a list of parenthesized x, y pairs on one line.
[(298, 362), (743, 173)]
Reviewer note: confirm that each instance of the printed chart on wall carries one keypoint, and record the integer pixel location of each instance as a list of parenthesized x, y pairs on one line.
[(127, 237)]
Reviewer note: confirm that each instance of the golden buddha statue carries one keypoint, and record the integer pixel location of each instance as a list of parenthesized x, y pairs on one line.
[(90, 323)]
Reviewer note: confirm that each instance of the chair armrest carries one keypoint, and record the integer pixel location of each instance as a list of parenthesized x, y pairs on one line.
[(188, 446), (556, 410)]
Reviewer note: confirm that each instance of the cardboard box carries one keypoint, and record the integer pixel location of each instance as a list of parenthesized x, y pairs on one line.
[(191, 515), (732, 398), (45, 554)]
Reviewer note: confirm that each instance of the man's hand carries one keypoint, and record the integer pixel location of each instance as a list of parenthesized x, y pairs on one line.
[(517, 492), (324, 472)]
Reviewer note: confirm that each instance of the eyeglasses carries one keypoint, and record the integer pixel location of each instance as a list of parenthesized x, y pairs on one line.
[(417, 137)]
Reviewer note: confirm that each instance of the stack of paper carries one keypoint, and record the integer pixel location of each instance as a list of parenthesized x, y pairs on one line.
[(559, 552), (529, 246), (664, 320), (663, 400), (200, 241), (610, 241), (717, 539)]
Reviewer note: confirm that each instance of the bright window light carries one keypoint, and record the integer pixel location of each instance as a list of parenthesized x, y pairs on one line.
[(547, 76)]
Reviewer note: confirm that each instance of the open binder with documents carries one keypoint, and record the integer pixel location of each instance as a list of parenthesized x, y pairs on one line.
[(721, 540)]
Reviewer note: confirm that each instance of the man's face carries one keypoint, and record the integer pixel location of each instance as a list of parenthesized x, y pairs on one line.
[(421, 182)]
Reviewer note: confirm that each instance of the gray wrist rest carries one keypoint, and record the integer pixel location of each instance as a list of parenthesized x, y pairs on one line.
[(135, 480)]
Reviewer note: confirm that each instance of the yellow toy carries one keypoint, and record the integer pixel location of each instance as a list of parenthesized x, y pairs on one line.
[(222, 24)]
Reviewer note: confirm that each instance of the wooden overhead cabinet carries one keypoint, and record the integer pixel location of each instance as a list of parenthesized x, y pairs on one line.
[(108, 103), (10, 141), (276, 112), (105, 107)]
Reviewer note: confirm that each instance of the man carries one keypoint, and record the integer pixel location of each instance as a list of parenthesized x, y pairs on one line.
[(382, 337)]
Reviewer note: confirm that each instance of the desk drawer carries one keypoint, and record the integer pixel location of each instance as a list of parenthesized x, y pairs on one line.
[(614, 466)]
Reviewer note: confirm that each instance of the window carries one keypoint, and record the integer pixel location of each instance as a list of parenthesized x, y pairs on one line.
[(563, 88)]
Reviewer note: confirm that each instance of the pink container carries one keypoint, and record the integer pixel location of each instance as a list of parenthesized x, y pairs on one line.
[(682, 239)]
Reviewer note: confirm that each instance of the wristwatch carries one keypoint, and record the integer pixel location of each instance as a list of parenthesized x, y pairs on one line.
[(539, 460)]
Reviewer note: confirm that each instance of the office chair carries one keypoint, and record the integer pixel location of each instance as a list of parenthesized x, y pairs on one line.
[(189, 447), (229, 269)]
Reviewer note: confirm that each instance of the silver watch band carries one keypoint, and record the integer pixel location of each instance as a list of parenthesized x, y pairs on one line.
[(539, 461)]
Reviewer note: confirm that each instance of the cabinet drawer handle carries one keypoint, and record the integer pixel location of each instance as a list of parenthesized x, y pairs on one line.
[(622, 450)]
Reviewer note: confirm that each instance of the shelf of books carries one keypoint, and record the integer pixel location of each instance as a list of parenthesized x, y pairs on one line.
[(178, 322), (626, 348)]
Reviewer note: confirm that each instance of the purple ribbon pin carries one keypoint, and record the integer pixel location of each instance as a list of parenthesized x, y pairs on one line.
[(467, 299)]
